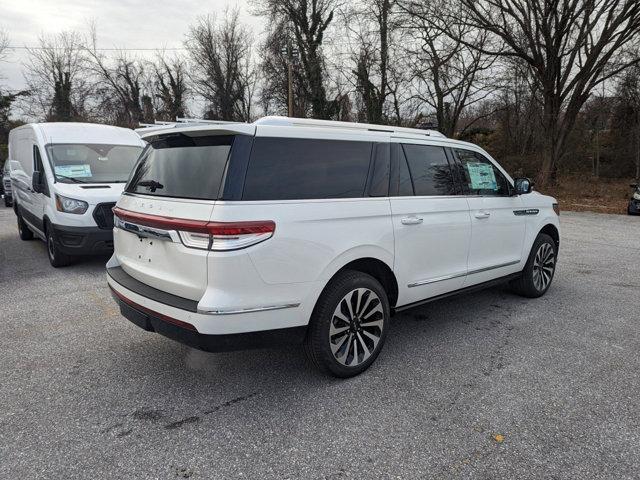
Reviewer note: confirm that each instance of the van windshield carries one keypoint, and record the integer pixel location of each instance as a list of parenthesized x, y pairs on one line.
[(182, 167), (92, 163)]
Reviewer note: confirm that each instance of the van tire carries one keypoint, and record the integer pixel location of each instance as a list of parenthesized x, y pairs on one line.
[(319, 343), (23, 229), (56, 257), (526, 285), (7, 202)]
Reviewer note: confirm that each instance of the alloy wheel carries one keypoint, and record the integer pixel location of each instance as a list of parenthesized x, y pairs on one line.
[(543, 265), (356, 327)]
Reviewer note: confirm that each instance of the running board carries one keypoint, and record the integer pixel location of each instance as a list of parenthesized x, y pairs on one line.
[(472, 288)]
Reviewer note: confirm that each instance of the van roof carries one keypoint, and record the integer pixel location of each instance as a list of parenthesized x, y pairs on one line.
[(76, 132)]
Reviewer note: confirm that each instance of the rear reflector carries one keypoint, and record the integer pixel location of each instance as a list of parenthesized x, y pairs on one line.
[(204, 234)]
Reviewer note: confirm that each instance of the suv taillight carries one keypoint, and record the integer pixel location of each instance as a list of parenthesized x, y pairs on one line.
[(216, 236)]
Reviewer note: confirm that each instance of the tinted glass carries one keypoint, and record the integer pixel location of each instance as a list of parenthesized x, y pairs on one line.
[(479, 175), (292, 169), (405, 187), (379, 186), (430, 170), (92, 163), (37, 160), (183, 167)]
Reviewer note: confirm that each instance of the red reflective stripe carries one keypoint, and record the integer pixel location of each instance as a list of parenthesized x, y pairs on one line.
[(158, 221), (241, 228), (174, 321), (198, 226)]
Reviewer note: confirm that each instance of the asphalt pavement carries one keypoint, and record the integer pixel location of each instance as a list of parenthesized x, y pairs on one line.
[(488, 385)]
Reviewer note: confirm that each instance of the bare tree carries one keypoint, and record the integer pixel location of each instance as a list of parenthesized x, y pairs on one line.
[(370, 21), (308, 21), (4, 44), (570, 46), (448, 74), (221, 63), (57, 79), (123, 93), (170, 87), (627, 117)]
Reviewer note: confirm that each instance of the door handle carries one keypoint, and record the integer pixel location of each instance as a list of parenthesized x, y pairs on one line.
[(411, 221), (482, 214)]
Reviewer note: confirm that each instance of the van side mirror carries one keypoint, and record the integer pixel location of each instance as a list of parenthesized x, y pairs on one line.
[(522, 185), (37, 184)]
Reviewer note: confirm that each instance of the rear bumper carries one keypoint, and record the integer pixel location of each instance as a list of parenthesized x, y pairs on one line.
[(176, 318), (83, 240)]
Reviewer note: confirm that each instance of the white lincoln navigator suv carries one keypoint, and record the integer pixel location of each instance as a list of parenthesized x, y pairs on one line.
[(232, 236)]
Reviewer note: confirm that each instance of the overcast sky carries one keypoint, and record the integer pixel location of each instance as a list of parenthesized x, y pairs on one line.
[(120, 24)]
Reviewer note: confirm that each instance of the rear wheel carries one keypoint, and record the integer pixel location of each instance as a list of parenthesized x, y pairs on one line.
[(539, 270), (23, 230), (348, 325), (56, 257), (7, 202)]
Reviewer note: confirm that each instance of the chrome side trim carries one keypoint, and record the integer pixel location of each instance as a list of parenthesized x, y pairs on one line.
[(462, 274), (232, 311), (493, 267), (436, 279)]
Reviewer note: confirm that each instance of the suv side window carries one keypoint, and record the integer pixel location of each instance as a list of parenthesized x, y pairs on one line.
[(479, 175), (298, 168), (430, 170)]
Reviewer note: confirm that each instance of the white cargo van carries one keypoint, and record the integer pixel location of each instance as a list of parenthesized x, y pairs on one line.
[(66, 178)]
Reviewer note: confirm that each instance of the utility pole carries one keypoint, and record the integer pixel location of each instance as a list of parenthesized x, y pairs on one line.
[(290, 53), (290, 75)]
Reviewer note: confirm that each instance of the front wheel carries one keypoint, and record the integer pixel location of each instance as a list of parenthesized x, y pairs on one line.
[(539, 270), (348, 325), (56, 257)]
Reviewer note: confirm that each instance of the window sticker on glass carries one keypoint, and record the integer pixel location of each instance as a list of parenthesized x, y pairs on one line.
[(73, 171), (481, 176)]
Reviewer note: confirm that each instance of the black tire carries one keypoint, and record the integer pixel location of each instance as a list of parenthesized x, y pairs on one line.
[(370, 320), (56, 257), (527, 285), (7, 202), (23, 229)]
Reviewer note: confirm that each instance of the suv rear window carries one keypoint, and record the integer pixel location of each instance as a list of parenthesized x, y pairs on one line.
[(182, 166), (295, 168)]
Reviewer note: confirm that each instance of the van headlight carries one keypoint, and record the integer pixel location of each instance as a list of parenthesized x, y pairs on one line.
[(70, 205)]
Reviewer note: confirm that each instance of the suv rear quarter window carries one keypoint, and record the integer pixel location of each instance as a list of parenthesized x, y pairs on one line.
[(296, 169)]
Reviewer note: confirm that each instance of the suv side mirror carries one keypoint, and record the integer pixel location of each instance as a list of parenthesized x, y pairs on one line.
[(522, 185), (37, 184)]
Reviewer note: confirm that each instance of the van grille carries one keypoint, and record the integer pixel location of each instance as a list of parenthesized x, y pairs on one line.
[(103, 215)]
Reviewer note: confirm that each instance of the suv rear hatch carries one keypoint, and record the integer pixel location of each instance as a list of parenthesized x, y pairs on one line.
[(163, 232)]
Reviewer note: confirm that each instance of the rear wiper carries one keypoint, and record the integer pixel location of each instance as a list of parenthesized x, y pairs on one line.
[(152, 185), (75, 180)]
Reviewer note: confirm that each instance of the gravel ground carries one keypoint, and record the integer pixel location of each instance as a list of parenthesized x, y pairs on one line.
[(483, 386)]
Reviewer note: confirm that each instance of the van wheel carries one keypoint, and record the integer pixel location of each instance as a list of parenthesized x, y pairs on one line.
[(7, 202), (539, 270), (23, 230), (56, 257), (348, 325)]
